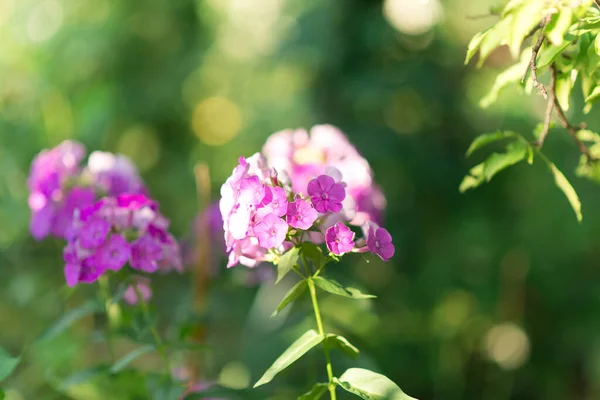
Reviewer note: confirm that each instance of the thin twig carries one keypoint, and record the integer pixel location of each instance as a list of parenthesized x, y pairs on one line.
[(549, 107), (566, 124), (481, 16), (532, 62), (597, 3)]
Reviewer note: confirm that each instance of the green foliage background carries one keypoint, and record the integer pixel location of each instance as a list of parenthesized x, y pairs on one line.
[(130, 76)]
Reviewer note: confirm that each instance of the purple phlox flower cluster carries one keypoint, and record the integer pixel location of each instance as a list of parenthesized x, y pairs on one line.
[(115, 174), (141, 284), (59, 185), (264, 216), (300, 157), (115, 231)]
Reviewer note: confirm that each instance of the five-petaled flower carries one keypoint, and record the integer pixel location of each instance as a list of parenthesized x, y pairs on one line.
[(339, 239), (379, 242), (301, 214), (325, 194), (271, 231)]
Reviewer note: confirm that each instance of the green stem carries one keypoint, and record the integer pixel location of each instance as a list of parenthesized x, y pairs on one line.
[(159, 343), (105, 294), (313, 296)]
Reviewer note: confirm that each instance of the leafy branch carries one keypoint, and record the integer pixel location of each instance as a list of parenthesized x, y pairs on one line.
[(567, 48)]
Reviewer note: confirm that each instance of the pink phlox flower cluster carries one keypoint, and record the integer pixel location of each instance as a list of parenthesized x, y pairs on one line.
[(252, 206), (260, 216), (115, 231), (301, 157), (59, 185)]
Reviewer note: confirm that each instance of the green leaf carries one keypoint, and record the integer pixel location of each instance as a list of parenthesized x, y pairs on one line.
[(70, 317), (515, 152), (331, 286), (286, 262), (593, 95), (291, 295), (556, 30), (474, 45), (2, 394), (512, 74), (306, 342), (315, 393), (488, 138), (511, 6), (564, 185), (525, 19), (127, 359), (549, 53), (8, 364), (473, 179), (369, 385), (313, 253), (586, 135), (593, 57), (564, 84), (341, 343), (495, 36)]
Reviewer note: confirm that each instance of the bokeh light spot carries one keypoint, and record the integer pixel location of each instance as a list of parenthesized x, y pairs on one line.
[(406, 112), (141, 145), (44, 21), (216, 121), (507, 345), (412, 17), (235, 375), (6, 10)]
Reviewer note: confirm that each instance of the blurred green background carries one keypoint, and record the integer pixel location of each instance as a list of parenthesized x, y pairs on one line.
[(494, 294)]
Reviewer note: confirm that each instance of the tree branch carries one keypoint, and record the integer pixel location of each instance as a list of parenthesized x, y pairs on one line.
[(532, 62), (565, 122), (597, 3)]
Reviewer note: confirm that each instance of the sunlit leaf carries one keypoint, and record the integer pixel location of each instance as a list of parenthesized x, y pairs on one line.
[(70, 317), (564, 185), (370, 385), (8, 364), (512, 74), (511, 6), (488, 138), (306, 342), (313, 252), (515, 152), (593, 95), (286, 262), (473, 179), (495, 37), (564, 84), (474, 45), (556, 30), (341, 343), (331, 286), (127, 359), (291, 295), (549, 53), (83, 376), (315, 393), (525, 19)]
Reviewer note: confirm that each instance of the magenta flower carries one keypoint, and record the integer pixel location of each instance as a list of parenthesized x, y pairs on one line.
[(145, 253), (301, 214), (274, 202), (142, 284), (379, 242), (271, 231), (93, 232), (72, 273), (113, 173), (339, 239), (325, 194), (114, 253)]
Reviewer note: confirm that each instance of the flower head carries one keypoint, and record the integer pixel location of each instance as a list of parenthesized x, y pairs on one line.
[(301, 214), (379, 241), (115, 231), (325, 194), (271, 231), (339, 239), (115, 174)]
